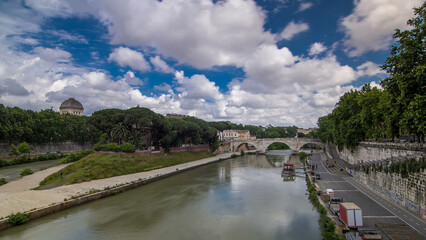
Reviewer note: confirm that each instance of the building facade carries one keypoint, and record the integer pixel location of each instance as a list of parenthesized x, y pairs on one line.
[(229, 135)]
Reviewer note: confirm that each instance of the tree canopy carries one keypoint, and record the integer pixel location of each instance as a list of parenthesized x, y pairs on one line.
[(400, 108)]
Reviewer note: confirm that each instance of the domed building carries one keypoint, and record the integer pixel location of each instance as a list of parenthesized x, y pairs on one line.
[(71, 106)]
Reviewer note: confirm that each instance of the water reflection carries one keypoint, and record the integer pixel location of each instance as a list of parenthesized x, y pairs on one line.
[(242, 198)]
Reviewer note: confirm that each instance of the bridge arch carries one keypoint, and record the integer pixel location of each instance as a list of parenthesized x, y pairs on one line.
[(311, 143), (245, 146), (262, 144)]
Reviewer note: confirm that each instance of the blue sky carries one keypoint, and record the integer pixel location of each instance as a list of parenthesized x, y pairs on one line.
[(279, 62)]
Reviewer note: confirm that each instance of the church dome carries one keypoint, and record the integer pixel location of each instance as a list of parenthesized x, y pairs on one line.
[(71, 103)]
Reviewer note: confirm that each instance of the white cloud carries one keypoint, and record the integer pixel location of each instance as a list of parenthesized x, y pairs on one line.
[(197, 87), (126, 57), (369, 69), (207, 33), (372, 23), (53, 54), (131, 79), (317, 48), (63, 35), (304, 6), (293, 29), (160, 65)]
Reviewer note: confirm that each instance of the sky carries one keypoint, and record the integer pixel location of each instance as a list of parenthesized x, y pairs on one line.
[(278, 62)]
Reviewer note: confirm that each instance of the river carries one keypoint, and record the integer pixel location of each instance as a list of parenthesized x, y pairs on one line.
[(241, 198), (13, 172)]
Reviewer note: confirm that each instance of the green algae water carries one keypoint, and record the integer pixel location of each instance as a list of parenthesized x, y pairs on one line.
[(241, 198)]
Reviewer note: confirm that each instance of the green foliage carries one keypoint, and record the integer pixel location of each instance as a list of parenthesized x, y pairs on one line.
[(26, 171), (24, 148), (18, 218), (242, 153), (2, 181), (327, 225), (407, 72), (278, 146), (103, 138), (14, 151), (127, 147), (303, 156), (375, 114), (72, 157), (17, 125), (234, 155)]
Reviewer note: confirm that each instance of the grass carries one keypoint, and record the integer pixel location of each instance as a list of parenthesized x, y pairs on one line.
[(106, 165)]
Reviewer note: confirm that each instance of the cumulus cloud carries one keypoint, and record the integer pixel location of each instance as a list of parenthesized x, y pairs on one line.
[(230, 39), (197, 87), (126, 57), (372, 23), (317, 48), (11, 87), (292, 29), (131, 79), (53, 54), (160, 65), (369, 69)]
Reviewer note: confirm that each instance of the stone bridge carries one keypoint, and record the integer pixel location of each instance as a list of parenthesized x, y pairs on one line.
[(262, 144)]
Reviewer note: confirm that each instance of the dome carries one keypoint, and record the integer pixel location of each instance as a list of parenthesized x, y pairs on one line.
[(71, 103)]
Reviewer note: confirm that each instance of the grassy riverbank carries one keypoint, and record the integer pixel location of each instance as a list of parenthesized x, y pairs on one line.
[(105, 165)]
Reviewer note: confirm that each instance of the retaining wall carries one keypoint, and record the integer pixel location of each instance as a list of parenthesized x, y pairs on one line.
[(409, 192), (373, 151), (50, 147)]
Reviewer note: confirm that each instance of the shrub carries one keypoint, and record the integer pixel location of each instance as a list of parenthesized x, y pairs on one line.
[(19, 218), (234, 155), (26, 171), (97, 147), (242, 152), (127, 147), (14, 151), (2, 181), (72, 157), (3, 163), (112, 147)]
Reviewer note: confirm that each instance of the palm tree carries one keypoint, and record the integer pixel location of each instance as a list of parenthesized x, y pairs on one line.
[(138, 139), (119, 131)]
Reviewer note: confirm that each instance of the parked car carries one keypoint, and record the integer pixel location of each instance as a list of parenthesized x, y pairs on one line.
[(317, 176)]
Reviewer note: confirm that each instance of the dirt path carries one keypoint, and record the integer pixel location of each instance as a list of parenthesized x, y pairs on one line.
[(17, 196)]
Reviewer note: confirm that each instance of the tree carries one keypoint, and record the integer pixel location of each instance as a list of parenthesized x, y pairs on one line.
[(14, 151), (119, 131), (24, 148), (407, 72)]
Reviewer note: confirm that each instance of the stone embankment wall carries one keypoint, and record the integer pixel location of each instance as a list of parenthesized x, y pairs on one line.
[(49, 147), (374, 151), (409, 192)]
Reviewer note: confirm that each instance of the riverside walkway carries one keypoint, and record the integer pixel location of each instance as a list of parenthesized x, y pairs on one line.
[(17, 196)]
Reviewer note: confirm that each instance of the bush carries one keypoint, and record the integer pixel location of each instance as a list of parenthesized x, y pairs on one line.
[(112, 147), (26, 171), (127, 147), (234, 155), (19, 218), (97, 147), (72, 157), (2, 181)]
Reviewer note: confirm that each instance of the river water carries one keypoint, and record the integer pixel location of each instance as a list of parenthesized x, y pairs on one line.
[(241, 198), (13, 172)]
